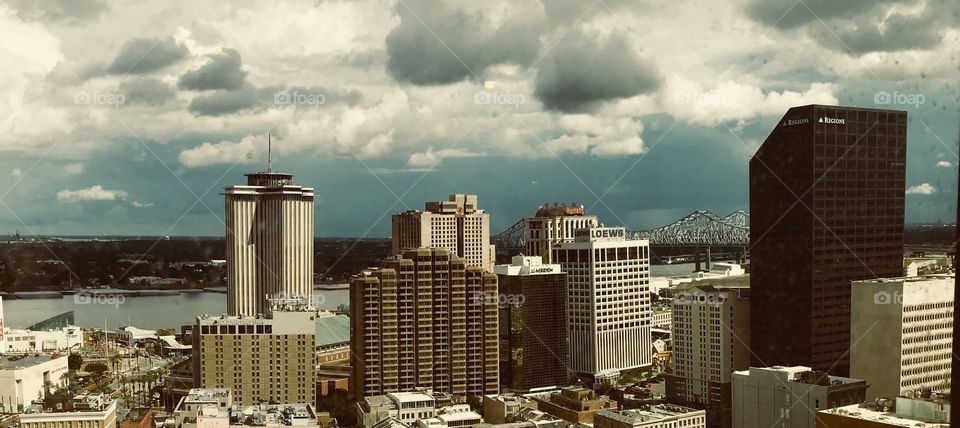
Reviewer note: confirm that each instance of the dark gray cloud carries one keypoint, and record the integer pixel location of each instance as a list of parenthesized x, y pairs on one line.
[(142, 55), (858, 27), (579, 73), (435, 44), (147, 91), (69, 11), (249, 98), (222, 72)]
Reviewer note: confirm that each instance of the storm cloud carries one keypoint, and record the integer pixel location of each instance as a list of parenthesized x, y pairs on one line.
[(143, 55), (580, 72), (436, 45)]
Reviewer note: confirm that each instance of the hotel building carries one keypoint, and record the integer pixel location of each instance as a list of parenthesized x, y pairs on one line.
[(826, 208), (455, 224), (533, 324), (608, 301), (260, 359), (553, 225), (425, 320)]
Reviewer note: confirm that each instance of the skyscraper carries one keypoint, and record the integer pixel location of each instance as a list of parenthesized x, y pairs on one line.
[(533, 324), (608, 301), (455, 224), (826, 206), (269, 242), (553, 225), (426, 320)]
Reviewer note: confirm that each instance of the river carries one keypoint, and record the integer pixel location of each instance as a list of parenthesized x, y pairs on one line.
[(172, 311)]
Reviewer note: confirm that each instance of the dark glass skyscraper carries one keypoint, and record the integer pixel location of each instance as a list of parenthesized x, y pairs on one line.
[(826, 208)]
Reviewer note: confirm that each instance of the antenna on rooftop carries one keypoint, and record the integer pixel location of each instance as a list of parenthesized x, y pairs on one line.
[(269, 153)]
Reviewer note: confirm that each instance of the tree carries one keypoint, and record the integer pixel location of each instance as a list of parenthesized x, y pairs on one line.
[(74, 361), (97, 368)]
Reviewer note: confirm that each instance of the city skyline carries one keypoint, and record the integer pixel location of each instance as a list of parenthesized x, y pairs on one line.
[(351, 112)]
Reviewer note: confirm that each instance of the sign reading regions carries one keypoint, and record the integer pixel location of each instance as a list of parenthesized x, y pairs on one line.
[(800, 121), (832, 120)]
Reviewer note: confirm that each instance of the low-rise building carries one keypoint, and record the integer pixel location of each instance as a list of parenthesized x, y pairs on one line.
[(14, 341), (789, 397), (922, 412), (81, 411), (662, 317), (23, 378), (573, 404), (658, 416), (214, 408), (501, 409), (902, 334)]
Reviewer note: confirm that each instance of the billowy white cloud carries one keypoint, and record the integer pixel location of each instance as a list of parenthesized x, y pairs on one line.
[(921, 189), (139, 204), (431, 158), (944, 164), (598, 136), (245, 151), (93, 193)]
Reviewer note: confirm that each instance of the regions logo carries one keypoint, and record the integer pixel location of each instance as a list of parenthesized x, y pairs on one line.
[(832, 121), (800, 121)]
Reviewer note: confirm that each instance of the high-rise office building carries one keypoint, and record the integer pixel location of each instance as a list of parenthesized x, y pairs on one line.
[(553, 225), (269, 242), (533, 324), (260, 358), (711, 339), (426, 320), (608, 301), (826, 208), (455, 224), (903, 331)]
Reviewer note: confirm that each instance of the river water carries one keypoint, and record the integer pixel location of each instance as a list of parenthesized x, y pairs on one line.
[(172, 311)]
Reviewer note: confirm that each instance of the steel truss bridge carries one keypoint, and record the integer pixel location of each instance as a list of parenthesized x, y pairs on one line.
[(698, 229)]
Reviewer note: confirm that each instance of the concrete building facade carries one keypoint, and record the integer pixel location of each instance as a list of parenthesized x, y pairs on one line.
[(656, 416), (82, 411), (608, 301), (260, 359), (826, 208), (426, 320), (22, 379), (902, 334), (456, 224), (711, 340), (269, 231), (789, 397), (554, 225), (533, 324)]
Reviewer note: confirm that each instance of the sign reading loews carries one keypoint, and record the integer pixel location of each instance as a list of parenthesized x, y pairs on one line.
[(601, 234)]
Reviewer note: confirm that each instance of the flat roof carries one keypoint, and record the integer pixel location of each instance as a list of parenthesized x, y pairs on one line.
[(24, 361)]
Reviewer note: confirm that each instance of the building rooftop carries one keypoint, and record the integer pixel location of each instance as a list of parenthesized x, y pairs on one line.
[(332, 329), (904, 412), (24, 361), (206, 395), (648, 414)]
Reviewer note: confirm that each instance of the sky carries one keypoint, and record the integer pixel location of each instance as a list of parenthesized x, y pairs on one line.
[(129, 118)]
